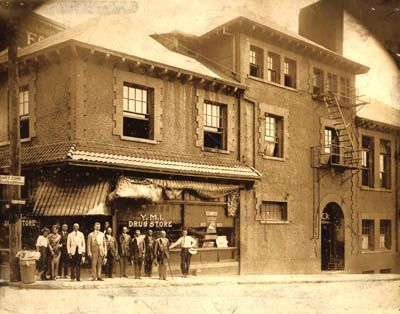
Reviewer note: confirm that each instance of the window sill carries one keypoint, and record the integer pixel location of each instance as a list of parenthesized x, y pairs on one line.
[(377, 251), (258, 79), (272, 222), (366, 188), (215, 150), (273, 158), (138, 139)]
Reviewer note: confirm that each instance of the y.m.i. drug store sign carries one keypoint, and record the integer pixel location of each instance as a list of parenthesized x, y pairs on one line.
[(150, 221)]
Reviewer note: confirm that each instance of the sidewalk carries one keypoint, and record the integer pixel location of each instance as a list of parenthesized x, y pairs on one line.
[(206, 281)]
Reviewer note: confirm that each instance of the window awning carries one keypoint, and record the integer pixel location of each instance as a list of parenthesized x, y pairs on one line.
[(71, 199)]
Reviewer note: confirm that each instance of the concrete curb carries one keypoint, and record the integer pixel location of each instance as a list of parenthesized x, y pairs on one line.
[(202, 281)]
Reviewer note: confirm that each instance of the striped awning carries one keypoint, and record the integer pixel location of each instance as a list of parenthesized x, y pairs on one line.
[(71, 199)]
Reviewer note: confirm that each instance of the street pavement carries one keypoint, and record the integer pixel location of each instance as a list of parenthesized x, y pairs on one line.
[(379, 293)]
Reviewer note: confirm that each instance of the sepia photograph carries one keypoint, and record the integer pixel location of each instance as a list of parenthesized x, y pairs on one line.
[(175, 156)]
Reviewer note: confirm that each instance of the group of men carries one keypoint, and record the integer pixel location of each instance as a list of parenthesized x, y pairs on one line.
[(103, 250)]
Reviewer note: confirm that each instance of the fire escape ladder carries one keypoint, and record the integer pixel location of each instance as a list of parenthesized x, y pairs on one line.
[(343, 128)]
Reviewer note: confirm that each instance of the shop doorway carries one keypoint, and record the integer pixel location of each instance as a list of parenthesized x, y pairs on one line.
[(332, 238)]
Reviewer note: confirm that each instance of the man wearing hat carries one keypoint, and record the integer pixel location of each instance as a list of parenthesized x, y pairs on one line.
[(187, 244)]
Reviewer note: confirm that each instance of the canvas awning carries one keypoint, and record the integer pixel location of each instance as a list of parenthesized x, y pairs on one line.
[(155, 190), (71, 199)]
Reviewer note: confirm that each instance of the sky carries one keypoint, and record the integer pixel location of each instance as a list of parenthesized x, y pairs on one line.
[(193, 17)]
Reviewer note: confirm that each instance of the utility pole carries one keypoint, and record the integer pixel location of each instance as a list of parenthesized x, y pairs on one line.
[(13, 192)]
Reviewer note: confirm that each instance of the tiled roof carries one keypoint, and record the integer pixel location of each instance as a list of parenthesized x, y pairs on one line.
[(135, 158)]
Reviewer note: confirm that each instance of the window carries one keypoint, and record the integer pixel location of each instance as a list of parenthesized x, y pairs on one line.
[(256, 61), (345, 90), (274, 211), (137, 106), (289, 72), (384, 164), (385, 235), (318, 82), (273, 139), (332, 148), (368, 234), (24, 111), (215, 125), (367, 161), (273, 66), (332, 83)]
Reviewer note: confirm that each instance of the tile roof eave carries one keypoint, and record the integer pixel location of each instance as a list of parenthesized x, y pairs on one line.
[(163, 171), (360, 120), (362, 69), (72, 42)]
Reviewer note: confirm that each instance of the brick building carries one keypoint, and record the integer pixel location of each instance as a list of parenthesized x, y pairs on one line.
[(246, 133)]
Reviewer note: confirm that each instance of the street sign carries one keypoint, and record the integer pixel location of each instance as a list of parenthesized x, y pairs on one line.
[(12, 180)]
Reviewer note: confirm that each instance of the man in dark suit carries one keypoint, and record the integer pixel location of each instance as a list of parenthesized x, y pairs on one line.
[(137, 253), (112, 252), (149, 255), (125, 251), (63, 266), (162, 254)]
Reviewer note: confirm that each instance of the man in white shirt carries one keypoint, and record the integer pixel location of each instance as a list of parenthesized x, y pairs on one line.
[(185, 242), (97, 250), (76, 249)]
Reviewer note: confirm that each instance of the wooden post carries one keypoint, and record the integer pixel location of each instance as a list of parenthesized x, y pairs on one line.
[(14, 191)]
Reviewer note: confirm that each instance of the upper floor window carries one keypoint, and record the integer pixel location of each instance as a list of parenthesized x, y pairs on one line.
[(318, 81), (256, 61), (289, 72), (384, 164), (274, 211), (367, 161), (332, 83), (215, 117), (385, 234), (273, 138), (368, 233), (345, 90), (24, 111), (137, 111), (273, 67)]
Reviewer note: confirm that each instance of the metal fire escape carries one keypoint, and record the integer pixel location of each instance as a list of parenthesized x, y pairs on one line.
[(345, 154)]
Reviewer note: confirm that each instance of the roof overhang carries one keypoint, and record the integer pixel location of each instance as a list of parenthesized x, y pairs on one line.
[(376, 125), (70, 48), (288, 41)]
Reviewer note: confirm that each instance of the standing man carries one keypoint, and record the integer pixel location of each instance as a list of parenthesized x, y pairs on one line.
[(97, 251), (125, 251), (63, 265), (137, 253), (162, 254), (76, 248), (186, 242), (112, 252), (149, 253)]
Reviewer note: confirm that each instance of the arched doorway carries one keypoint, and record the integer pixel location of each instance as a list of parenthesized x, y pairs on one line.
[(332, 238)]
